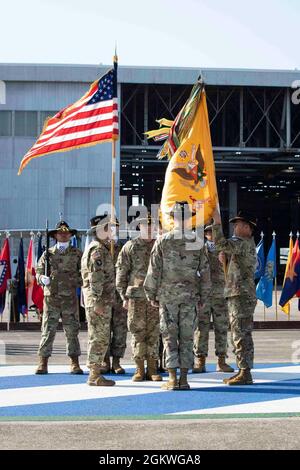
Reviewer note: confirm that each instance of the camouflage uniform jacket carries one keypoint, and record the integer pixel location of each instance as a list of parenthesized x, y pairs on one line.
[(241, 262), (178, 270), (117, 249), (64, 269), (98, 274), (132, 265), (216, 272)]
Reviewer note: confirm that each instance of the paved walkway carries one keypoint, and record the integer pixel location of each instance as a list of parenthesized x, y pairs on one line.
[(59, 411)]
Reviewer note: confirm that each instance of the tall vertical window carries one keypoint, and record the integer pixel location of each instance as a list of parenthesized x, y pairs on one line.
[(5, 123), (45, 115), (26, 123)]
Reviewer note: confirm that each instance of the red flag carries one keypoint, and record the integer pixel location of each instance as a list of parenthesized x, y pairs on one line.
[(34, 292), (5, 271)]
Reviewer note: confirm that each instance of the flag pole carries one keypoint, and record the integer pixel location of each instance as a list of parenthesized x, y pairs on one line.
[(113, 183), (275, 282), (8, 293), (289, 312), (261, 239), (113, 166)]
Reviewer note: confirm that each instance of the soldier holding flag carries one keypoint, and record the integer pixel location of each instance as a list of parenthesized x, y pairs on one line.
[(60, 281), (239, 253)]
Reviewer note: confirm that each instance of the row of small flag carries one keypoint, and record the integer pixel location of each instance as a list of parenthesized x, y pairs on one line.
[(30, 293), (266, 274)]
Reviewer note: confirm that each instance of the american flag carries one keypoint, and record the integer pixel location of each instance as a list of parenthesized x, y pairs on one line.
[(91, 120)]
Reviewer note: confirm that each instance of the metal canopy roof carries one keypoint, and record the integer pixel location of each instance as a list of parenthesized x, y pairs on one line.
[(139, 74)]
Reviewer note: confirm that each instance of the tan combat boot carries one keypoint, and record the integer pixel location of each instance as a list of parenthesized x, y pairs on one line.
[(139, 374), (152, 370), (172, 383), (225, 381), (244, 377), (75, 367), (116, 367), (96, 379), (43, 366), (199, 367), (222, 366), (183, 383), (105, 366)]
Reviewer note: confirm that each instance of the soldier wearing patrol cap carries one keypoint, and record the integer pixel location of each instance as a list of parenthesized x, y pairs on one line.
[(178, 281), (98, 276), (216, 309), (143, 318), (60, 298), (239, 256)]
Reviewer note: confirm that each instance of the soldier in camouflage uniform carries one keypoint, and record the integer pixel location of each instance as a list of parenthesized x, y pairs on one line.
[(217, 309), (178, 281), (143, 318), (239, 254), (118, 332), (60, 297), (98, 276)]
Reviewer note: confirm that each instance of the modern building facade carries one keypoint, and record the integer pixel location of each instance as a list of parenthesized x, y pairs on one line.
[(255, 126)]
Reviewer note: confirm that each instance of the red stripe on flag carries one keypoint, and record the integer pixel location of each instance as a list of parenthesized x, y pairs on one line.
[(63, 145), (84, 127)]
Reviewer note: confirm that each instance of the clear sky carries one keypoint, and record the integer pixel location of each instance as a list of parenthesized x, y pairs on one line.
[(189, 33)]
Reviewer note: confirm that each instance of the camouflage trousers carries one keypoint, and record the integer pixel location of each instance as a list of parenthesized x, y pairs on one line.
[(218, 311), (66, 308), (143, 324), (241, 311), (118, 332), (177, 325), (98, 334)]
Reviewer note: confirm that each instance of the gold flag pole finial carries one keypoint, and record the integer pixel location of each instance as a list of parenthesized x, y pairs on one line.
[(115, 57)]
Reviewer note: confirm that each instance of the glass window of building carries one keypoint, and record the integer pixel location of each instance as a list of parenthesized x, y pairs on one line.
[(45, 115), (26, 123), (5, 123)]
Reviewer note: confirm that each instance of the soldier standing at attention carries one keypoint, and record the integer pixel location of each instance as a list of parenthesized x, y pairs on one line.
[(118, 332), (239, 254), (143, 318), (217, 309), (178, 281), (60, 297), (98, 274)]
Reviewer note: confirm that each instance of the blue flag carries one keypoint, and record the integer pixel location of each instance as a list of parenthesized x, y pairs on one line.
[(260, 264), (74, 242), (39, 248), (264, 289), (20, 276), (291, 284)]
